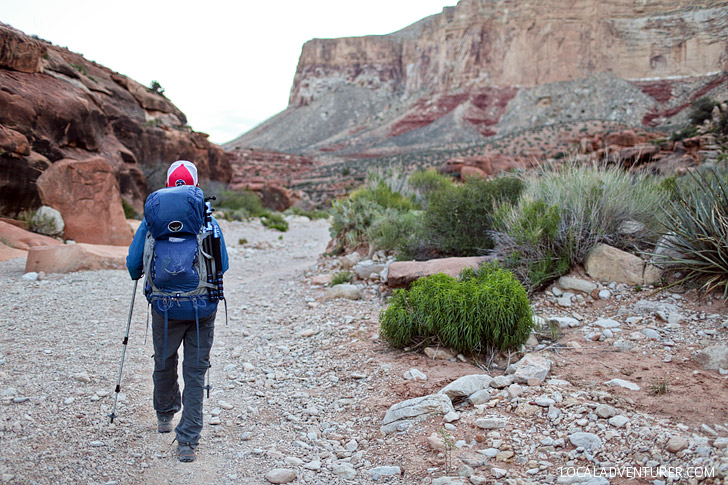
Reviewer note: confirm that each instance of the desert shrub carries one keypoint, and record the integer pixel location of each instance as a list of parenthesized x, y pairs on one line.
[(394, 231), (701, 110), (351, 218), (697, 222), (240, 204), (483, 309), (687, 132), (535, 254), (424, 182), (382, 195), (274, 220), (312, 214), (458, 218), (129, 211), (565, 212), (341, 277)]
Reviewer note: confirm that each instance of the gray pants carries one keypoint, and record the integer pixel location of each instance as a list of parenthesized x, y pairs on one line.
[(167, 399)]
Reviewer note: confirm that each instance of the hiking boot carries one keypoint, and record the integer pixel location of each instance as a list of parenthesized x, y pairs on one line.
[(186, 452), (164, 425)]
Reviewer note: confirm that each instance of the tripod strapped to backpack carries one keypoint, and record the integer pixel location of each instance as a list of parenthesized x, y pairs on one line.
[(211, 246)]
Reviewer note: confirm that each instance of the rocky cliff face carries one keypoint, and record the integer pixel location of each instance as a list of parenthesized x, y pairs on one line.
[(56, 105), (488, 67)]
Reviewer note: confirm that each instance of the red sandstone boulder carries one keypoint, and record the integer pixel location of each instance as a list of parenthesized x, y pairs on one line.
[(626, 138), (13, 142), (402, 273), (638, 154), (19, 52), (468, 171), (7, 252), (87, 195), (19, 238), (75, 257)]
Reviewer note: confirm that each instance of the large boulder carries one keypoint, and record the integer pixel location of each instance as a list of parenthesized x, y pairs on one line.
[(606, 263), (402, 273), (19, 238), (20, 53), (714, 357), (67, 258), (7, 252), (48, 221), (87, 195)]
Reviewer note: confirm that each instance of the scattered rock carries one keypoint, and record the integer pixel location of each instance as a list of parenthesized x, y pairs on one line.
[(414, 375), (384, 471), (365, 269), (531, 366), (438, 353), (345, 471), (323, 279), (344, 290), (402, 415), (576, 284), (605, 411), (466, 385), (402, 273), (588, 441), (622, 383), (606, 263), (676, 444), (281, 475), (82, 377), (491, 422), (713, 358)]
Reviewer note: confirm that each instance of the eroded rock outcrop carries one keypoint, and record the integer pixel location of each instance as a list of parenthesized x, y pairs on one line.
[(493, 67), (55, 105)]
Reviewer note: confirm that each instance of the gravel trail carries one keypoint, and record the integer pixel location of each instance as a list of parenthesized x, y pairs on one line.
[(60, 348)]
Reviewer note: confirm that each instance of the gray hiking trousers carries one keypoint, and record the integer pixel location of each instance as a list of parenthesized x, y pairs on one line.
[(167, 399)]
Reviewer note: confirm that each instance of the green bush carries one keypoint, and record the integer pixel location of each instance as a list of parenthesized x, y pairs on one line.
[(701, 110), (687, 132), (394, 231), (535, 255), (129, 211), (482, 310), (458, 218), (311, 214), (341, 277), (240, 204), (274, 220), (385, 197), (563, 213), (424, 182), (697, 225), (350, 220)]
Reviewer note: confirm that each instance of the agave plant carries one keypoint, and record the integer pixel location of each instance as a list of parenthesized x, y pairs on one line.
[(697, 222)]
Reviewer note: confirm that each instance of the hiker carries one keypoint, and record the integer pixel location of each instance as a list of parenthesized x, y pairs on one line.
[(189, 318)]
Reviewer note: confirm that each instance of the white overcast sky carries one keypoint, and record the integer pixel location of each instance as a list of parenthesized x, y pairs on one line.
[(228, 65)]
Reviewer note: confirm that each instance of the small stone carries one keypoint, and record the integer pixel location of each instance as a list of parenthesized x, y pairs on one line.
[(82, 377), (309, 332), (605, 411), (618, 421), (622, 383), (480, 397), (247, 436), (414, 375), (68, 400), (102, 393), (514, 390), (650, 333), (31, 276), (225, 405), (451, 416), (351, 445), (588, 441), (606, 323), (18, 400), (215, 420), (676, 444), (248, 367), (605, 294), (499, 382), (436, 442), (314, 465), (499, 472), (345, 471), (281, 475), (438, 353), (293, 461), (491, 422), (544, 402), (384, 471), (96, 444)]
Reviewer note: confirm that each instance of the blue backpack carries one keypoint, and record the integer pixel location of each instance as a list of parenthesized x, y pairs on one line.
[(175, 264)]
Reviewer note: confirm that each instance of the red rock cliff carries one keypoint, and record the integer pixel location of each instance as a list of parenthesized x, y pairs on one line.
[(54, 105)]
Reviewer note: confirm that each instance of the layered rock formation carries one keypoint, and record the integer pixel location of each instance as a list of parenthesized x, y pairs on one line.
[(55, 105), (493, 67)]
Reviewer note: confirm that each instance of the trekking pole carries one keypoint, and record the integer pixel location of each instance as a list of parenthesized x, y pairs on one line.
[(208, 387), (123, 354)]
